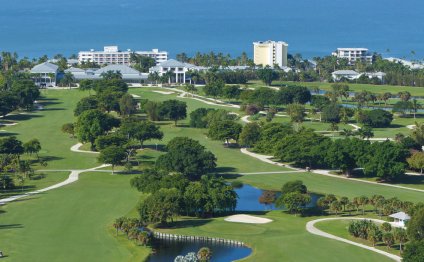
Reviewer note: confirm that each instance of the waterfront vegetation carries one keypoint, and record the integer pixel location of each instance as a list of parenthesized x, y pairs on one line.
[(81, 214)]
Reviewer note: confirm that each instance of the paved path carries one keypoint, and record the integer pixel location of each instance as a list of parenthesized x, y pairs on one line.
[(245, 119), (75, 148), (72, 178), (270, 173), (310, 227), (355, 127), (323, 172)]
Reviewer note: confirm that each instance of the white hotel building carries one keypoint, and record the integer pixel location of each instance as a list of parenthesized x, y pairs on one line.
[(353, 54), (270, 53), (112, 55)]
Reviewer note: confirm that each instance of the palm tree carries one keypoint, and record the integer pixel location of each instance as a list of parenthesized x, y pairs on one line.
[(388, 239), (190, 89), (362, 201), (418, 133), (68, 79), (204, 254), (415, 106), (365, 132), (401, 236), (404, 95), (154, 77)]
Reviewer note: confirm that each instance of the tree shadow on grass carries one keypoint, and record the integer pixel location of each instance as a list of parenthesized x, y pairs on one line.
[(53, 109), (23, 117), (186, 223), (159, 147), (11, 226), (225, 169), (51, 158), (7, 134), (411, 180)]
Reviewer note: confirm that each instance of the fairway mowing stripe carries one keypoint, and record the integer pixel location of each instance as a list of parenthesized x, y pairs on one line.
[(324, 172), (272, 172)]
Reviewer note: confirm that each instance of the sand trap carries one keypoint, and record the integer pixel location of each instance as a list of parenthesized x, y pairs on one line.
[(8, 124), (135, 96), (412, 127), (247, 219), (163, 92)]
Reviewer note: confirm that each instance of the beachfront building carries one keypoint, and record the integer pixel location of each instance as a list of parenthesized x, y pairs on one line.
[(129, 75), (270, 53), (112, 55), (176, 70), (353, 54), (45, 74), (401, 219)]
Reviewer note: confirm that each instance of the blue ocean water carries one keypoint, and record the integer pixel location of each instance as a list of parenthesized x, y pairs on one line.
[(311, 27)]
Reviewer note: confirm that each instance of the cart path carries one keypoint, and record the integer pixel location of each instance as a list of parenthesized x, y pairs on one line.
[(310, 227)]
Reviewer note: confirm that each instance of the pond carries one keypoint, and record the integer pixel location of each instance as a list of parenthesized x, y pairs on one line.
[(166, 250), (249, 199)]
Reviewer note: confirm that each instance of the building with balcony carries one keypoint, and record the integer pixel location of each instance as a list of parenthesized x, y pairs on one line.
[(175, 69), (270, 53), (354, 54), (45, 74), (112, 55)]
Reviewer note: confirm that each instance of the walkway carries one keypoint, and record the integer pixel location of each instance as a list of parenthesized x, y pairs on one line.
[(323, 172), (310, 227), (74, 176), (75, 148)]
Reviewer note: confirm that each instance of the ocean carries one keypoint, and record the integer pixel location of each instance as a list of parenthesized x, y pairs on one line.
[(310, 27)]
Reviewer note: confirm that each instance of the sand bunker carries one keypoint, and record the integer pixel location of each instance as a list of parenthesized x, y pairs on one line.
[(247, 219)]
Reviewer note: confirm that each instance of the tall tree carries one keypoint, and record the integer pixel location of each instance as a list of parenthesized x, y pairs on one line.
[(173, 110)]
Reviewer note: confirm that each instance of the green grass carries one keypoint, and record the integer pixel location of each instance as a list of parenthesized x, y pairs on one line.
[(284, 239), (48, 179), (72, 223), (415, 91), (329, 185), (340, 228), (45, 125)]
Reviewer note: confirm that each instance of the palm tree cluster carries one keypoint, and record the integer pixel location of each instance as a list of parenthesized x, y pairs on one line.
[(381, 206), (134, 229), (368, 230)]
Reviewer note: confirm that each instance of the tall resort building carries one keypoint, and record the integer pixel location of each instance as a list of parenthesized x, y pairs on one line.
[(270, 53), (112, 55)]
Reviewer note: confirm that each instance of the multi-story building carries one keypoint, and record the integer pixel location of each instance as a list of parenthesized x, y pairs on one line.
[(112, 55), (353, 54), (270, 53)]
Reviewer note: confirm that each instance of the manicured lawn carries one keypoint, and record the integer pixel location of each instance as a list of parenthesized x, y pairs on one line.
[(49, 178), (415, 91), (45, 125), (72, 223), (339, 228), (329, 185), (284, 239)]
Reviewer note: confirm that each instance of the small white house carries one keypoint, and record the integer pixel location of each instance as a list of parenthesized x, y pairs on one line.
[(401, 219), (348, 74)]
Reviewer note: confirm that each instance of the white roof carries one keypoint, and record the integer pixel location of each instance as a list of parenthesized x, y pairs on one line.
[(352, 49), (45, 67), (74, 70), (125, 70), (345, 72), (175, 63), (401, 216)]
